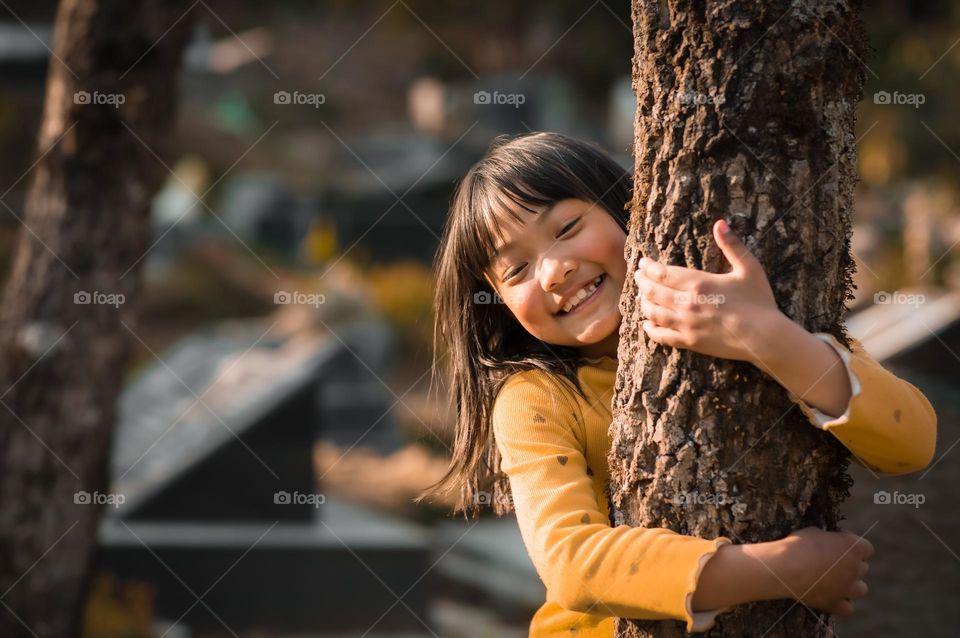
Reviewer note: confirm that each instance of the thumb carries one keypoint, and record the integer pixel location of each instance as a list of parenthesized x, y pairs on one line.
[(741, 259)]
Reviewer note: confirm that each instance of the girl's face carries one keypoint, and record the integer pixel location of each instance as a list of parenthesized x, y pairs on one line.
[(554, 260)]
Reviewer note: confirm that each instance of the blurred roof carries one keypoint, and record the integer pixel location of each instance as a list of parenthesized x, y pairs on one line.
[(25, 43), (902, 320)]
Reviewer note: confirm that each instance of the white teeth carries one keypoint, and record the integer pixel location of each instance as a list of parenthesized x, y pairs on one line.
[(582, 294)]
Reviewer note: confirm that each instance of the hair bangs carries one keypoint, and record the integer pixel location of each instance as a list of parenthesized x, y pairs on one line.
[(489, 213)]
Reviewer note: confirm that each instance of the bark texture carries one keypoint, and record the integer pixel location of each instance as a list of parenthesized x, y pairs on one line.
[(746, 111), (85, 226)]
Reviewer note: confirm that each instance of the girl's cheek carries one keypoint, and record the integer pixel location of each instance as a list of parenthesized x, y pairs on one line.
[(522, 303), (618, 259), (509, 299)]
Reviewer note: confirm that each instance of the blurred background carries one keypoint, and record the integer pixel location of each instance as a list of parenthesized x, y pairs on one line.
[(287, 322)]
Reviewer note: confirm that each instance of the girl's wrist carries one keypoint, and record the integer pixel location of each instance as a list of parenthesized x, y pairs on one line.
[(803, 364), (743, 573), (773, 332), (776, 559), (767, 564)]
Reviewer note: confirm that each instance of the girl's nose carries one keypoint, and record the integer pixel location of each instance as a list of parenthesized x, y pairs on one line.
[(555, 271)]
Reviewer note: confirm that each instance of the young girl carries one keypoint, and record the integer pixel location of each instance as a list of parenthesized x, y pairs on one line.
[(529, 275)]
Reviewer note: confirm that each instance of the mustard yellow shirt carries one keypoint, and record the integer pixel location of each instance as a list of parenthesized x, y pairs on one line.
[(554, 445)]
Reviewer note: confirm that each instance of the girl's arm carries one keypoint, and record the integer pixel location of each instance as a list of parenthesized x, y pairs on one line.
[(637, 572), (586, 565), (821, 569), (885, 421)]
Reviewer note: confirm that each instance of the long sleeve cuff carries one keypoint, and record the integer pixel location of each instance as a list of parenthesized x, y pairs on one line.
[(816, 417), (889, 425)]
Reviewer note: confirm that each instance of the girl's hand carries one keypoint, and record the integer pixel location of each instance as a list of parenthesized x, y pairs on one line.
[(825, 570), (725, 315)]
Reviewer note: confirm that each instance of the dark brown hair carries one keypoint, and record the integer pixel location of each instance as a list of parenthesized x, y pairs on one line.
[(480, 338)]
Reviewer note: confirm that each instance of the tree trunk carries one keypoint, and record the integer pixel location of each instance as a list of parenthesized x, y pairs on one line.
[(746, 111), (73, 286)]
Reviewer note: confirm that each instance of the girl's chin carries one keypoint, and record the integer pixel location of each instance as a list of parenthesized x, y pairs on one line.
[(600, 328)]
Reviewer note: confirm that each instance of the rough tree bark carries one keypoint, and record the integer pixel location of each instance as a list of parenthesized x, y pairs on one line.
[(86, 223), (746, 111)]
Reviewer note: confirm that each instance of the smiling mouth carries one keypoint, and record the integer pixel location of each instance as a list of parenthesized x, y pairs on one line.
[(601, 279)]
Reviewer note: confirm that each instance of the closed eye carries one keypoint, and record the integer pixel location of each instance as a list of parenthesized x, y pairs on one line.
[(515, 271), (566, 228)]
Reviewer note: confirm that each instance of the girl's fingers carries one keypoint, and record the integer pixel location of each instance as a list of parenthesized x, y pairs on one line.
[(666, 336), (861, 544), (864, 569), (660, 294), (676, 277), (842, 608), (738, 255), (663, 317), (859, 589)]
